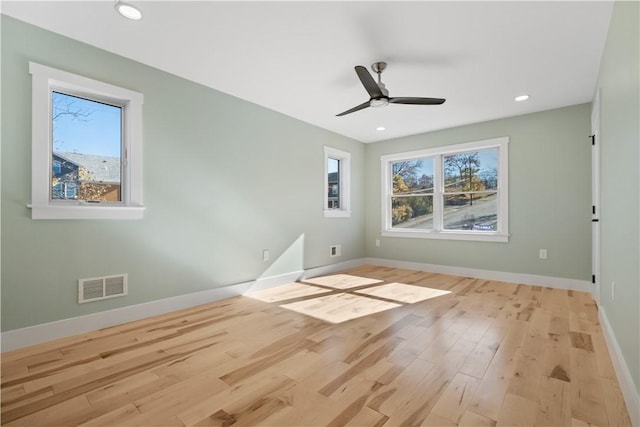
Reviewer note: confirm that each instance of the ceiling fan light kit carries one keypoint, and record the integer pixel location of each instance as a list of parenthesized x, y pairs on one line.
[(380, 102), (378, 93)]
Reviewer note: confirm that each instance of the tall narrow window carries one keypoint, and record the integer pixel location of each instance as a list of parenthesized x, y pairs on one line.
[(86, 150), (337, 165)]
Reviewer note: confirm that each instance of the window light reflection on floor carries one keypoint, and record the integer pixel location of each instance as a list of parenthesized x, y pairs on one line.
[(341, 297)]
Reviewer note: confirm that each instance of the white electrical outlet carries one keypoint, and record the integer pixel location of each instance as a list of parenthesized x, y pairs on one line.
[(377, 243), (543, 254), (335, 250), (265, 255)]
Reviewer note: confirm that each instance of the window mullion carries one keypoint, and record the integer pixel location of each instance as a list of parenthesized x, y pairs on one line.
[(438, 190)]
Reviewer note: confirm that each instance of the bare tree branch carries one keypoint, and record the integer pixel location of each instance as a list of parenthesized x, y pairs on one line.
[(64, 106)]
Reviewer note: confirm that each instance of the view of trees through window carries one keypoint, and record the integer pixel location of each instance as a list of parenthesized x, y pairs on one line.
[(87, 145), (468, 194), (412, 200)]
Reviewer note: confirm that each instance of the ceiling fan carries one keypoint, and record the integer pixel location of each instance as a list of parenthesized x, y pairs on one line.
[(379, 95)]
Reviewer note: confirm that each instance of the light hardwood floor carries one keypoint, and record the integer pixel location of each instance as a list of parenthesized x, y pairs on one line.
[(481, 353)]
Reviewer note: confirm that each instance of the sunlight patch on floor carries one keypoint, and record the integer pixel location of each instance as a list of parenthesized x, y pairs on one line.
[(339, 308), (402, 292), (341, 297), (287, 292)]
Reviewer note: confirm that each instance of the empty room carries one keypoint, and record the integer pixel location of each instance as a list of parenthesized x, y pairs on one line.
[(320, 213)]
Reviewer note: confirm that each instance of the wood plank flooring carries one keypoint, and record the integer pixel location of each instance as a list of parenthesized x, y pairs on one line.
[(483, 353)]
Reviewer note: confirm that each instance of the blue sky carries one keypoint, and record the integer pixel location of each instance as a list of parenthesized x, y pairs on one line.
[(488, 159), (332, 165), (98, 133), (426, 168)]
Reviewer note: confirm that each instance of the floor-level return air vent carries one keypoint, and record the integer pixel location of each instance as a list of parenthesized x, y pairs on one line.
[(98, 288)]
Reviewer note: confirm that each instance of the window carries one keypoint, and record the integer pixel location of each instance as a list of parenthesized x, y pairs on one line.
[(70, 190), (453, 192), (337, 166), (57, 167), (86, 148), (64, 190), (87, 139)]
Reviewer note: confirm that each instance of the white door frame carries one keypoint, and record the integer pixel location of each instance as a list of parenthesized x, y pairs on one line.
[(595, 196)]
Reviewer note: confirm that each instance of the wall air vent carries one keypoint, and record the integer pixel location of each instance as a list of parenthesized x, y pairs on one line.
[(98, 288)]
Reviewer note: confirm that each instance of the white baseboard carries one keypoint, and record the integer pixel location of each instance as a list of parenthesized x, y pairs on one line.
[(525, 279), (625, 380), (333, 268), (44, 332), (272, 281), (31, 335), (36, 334)]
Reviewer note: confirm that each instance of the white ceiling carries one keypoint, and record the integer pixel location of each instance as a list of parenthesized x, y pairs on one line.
[(298, 57)]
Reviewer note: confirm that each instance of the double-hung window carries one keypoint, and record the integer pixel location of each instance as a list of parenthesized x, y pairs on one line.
[(86, 148), (337, 175), (453, 192)]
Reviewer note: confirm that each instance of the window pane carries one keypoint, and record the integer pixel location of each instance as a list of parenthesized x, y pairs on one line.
[(70, 190), (87, 149), (412, 176), (333, 177), (56, 190), (412, 212), (471, 171), (470, 211)]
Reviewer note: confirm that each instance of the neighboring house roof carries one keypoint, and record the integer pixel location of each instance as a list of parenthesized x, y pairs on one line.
[(61, 157), (102, 168)]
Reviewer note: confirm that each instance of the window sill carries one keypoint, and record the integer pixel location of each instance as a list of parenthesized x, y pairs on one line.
[(337, 213), (86, 212), (448, 235)]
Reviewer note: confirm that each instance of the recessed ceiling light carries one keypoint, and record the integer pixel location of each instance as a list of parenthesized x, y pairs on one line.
[(380, 128), (522, 98), (128, 11)]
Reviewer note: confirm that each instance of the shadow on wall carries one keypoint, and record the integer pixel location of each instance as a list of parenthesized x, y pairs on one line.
[(290, 262)]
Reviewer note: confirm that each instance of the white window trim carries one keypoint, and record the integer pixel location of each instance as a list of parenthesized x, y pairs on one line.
[(501, 235), (345, 183), (44, 80)]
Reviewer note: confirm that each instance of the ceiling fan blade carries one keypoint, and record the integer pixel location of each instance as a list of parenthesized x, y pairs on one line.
[(354, 109), (368, 82), (416, 101)]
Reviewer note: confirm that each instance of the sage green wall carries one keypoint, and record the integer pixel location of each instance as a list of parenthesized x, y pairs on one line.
[(223, 180), (549, 197), (619, 83)]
